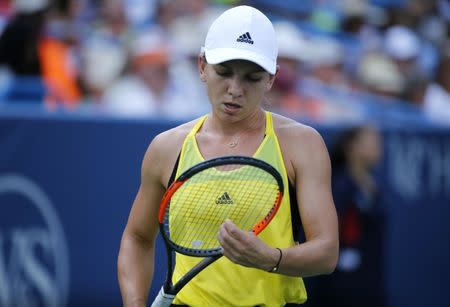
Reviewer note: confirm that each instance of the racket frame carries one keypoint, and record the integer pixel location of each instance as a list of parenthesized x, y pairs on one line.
[(211, 255)]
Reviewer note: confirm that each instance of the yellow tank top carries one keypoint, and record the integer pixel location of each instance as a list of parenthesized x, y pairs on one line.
[(224, 283)]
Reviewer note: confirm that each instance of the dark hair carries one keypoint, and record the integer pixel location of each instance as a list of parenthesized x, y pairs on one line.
[(19, 43), (339, 150)]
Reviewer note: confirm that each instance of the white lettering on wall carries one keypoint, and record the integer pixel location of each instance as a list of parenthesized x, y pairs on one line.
[(418, 166), (34, 261)]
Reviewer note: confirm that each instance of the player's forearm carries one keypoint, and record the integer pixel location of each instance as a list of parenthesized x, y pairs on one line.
[(315, 257), (135, 270)]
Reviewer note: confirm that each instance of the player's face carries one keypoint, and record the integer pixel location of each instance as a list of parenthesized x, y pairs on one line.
[(235, 88)]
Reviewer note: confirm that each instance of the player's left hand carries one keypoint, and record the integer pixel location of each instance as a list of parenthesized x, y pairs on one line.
[(244, 248)]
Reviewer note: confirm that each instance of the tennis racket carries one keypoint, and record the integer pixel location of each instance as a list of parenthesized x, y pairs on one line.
[(245, 190)]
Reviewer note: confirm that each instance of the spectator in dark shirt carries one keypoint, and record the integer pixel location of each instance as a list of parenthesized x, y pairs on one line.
[(358, 279)]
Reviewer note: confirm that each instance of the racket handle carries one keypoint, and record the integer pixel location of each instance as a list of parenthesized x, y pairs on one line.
[(163, 299)]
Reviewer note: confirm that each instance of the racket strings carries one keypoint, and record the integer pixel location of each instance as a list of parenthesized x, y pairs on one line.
[(243, 194)]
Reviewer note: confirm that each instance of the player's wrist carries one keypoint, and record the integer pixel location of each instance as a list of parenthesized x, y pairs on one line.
[(277, 255)]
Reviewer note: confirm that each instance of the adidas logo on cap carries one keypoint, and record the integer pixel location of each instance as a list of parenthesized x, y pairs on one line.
[(245, 38), (225, 199)]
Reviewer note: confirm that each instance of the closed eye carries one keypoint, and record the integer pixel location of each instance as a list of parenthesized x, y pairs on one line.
[(253, 79), (224, 73)]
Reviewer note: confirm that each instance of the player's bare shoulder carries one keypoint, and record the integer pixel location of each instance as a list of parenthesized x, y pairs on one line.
[(172, 139), (289, 130), (298, 142), (164, 149)]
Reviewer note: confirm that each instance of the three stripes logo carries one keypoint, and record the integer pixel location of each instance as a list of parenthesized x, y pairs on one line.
[(245, 38), (225, 199)]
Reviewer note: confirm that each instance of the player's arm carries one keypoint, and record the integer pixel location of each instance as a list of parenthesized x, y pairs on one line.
[(312, 171), (136, 255)]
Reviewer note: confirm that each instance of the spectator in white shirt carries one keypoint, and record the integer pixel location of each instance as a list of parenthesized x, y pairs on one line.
[(149, 89)]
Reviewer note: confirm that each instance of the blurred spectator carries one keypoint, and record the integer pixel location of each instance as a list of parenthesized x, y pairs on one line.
[(187, 35), (166, 13), (437, 96), (354, 16), (361, 20), (149, 89), (359, 276), (44, 48), (102, 62), (104, 50), (193, 20), (169, 12), (324, 16), (443, 8), (57, 52), (194, 8), (21, 56), (293, 53), (360, 17), (112, 22), (379, 75), (19, 53), (424, 19), (405, 47), (326, 61), (139, 13), (433, 27)]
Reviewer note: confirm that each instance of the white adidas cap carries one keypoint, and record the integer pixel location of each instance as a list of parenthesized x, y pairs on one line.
[(242, 33)]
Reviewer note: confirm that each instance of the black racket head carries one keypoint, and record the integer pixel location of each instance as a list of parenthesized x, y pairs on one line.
[(246, 190)]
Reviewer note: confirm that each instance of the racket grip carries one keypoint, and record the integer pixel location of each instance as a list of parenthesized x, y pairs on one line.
[(163, 299)]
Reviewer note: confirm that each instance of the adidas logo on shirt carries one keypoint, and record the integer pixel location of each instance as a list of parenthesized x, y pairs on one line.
[(225, 199), (245, 38)]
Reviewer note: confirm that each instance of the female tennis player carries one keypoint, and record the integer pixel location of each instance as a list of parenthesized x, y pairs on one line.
[(238, 65)]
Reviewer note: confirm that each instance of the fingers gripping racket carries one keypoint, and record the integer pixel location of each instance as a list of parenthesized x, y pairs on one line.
[(245, 190)]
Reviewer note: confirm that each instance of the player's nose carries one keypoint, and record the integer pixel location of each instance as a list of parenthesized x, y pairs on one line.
[(235, 87)]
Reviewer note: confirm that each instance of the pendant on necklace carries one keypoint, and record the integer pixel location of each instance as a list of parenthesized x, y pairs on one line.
[(232, 144)]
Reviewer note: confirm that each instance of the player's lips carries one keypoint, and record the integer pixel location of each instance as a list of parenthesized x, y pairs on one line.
[(232, 105), (231, 108)]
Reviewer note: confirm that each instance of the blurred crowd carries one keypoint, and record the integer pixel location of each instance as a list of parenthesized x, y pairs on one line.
[(339, 60)]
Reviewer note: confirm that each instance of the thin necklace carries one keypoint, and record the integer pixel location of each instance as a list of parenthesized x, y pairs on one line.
[(235, 142)]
